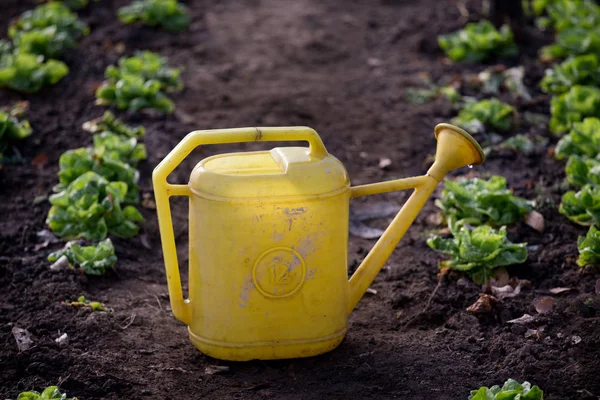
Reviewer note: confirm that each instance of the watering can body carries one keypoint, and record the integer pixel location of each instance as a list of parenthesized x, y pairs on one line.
[(268, 234)]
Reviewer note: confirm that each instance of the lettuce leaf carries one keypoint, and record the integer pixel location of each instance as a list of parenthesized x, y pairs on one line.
[(478, 41), (109, 123), (589, 248), (491, 113), (571, 42), (581, 171), (115, 147), (93, 260), (582, 207), (478, 251), (573, 106), (12, 128), (171, 15), (29, 73), (511, 390), (90, 207), (583, 140), (580, 70), (482, 202)]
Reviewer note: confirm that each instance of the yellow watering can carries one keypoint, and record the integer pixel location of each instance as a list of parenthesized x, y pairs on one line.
[(268, 239)]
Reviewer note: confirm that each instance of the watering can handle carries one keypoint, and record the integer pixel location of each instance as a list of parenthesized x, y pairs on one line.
[(163, 190)]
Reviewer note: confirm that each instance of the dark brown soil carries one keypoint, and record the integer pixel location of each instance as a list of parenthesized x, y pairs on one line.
[(341, 68)]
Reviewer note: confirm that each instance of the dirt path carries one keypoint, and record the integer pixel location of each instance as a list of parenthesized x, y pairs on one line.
[(339, 67)]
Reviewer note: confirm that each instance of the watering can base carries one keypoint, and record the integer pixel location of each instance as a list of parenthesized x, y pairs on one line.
[(266, 350)]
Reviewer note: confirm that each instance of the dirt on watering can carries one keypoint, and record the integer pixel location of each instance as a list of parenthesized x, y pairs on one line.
[(340, 67)]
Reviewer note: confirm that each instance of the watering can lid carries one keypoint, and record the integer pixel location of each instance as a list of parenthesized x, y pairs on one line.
[(262, 175)]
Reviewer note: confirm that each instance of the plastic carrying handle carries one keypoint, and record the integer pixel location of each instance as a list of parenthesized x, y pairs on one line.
[(163, 190)]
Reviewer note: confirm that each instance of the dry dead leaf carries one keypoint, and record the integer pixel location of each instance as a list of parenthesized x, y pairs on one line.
[(40, 160), (559, 290), (384, 162), (534, 333), (148, 201), (524, 319), (543, 305), (216, 369), (23, 338), (483, 305), (371, 291), (535, 220)]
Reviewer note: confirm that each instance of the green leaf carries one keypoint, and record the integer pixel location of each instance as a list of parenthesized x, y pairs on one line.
[(511, 390), (12, 128), (589, 248), (29, 396), (580, 70), (93, 260), (119, 148), (168, 14), (29, 73), (109, 123), (478, 41), (53, 14), (482, 202), (573, 106), (581, 171), (583, 140), (90, 207), (140, 82), (491, 113), (582, 207), (571, 42), (478, 251)]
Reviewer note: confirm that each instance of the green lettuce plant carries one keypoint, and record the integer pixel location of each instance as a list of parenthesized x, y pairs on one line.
[(581, 171), (140, 82), (29, 73), (75, 163), (572, 42), (573, 106), (580, 70), (119, 148), (109, 123), (91, 208), (50, 393), (582, 207), (93, 260), (565, 14), (54, 13), (477, 42), (478, 251), (168, 14), (589, 248), (47, 30), (12, 128), (489, 113), (479, 201), (583, 140), (511, 390)]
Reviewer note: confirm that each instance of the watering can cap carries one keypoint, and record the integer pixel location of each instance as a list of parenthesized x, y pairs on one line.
[(440, 127)]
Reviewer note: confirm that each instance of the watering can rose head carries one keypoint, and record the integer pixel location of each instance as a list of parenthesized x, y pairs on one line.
[(269, 240)]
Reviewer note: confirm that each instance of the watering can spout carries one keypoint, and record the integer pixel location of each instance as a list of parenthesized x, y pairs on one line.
[(455, 149)]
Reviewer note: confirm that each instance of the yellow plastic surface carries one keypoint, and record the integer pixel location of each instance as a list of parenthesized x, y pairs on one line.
[(268, 241)]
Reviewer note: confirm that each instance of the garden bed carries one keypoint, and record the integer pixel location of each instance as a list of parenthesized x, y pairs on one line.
[(340, 68)]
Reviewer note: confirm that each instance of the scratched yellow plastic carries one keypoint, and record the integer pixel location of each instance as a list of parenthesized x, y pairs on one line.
[(268, 239)]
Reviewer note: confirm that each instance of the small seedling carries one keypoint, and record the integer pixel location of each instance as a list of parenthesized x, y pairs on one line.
[(573, 106), (12, 127), (511, 390), (108, 145), (91, 208), (583, 140), (140, 82), (92, 305), (582, 207), (109, 123), (29, 73), (50, 393), (477, 42), (589, 248), (477, 202), (478, 251), (93, 260), (580, 70), (475, 116), (168, 14)]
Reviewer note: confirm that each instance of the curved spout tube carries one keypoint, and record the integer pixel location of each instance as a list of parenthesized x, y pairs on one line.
[(372, 264)]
